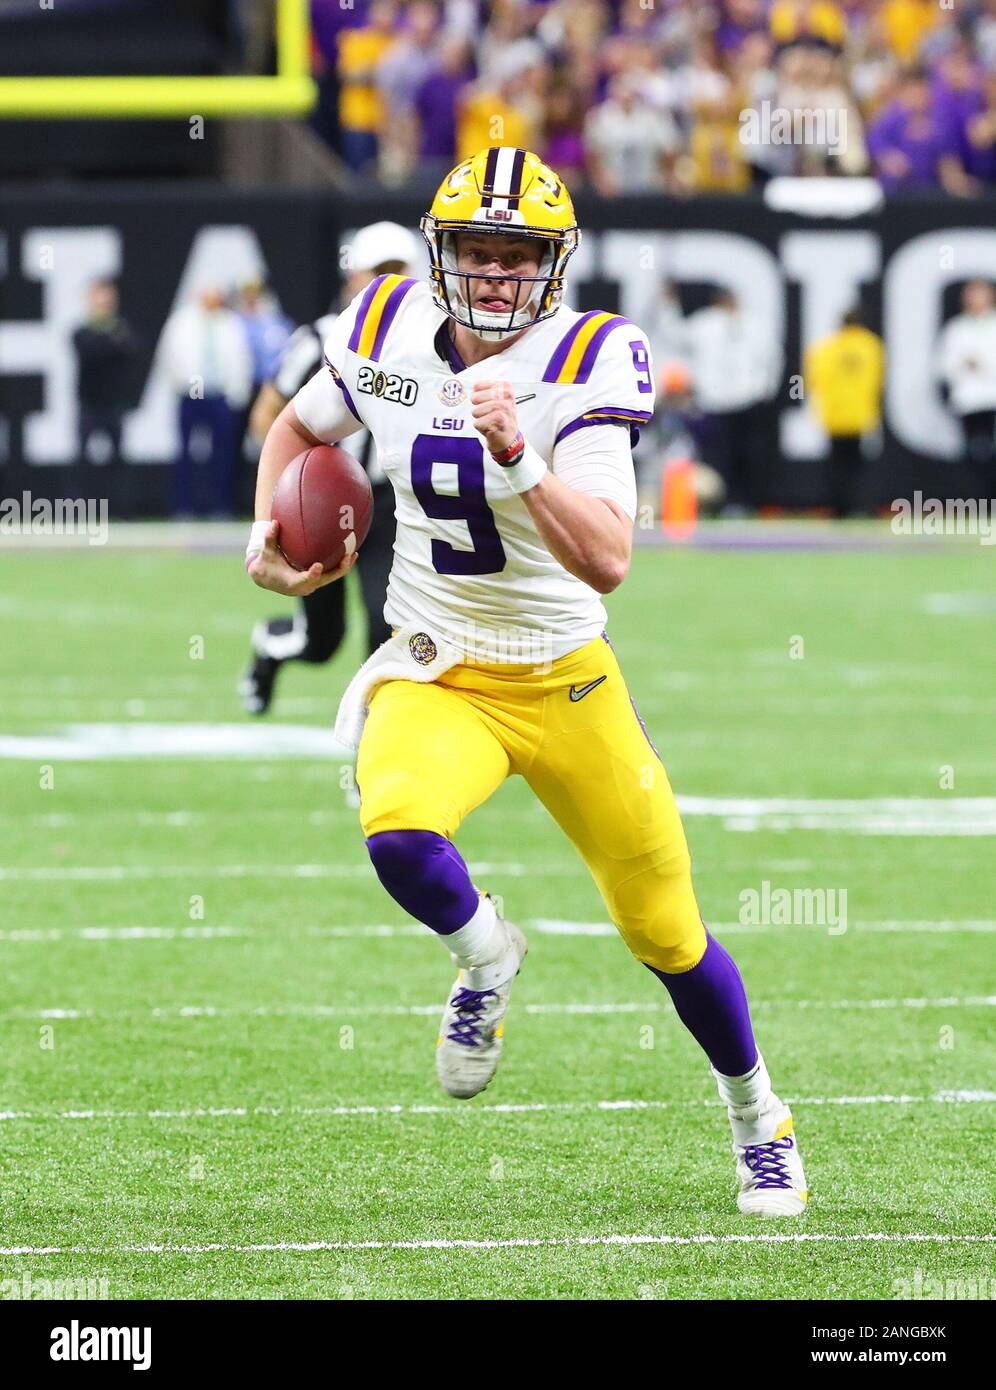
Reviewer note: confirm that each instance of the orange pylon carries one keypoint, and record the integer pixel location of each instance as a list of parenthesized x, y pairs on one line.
[(679, 500)]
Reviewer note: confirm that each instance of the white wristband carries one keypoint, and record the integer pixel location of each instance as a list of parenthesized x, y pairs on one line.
[(257, 540), (527, 472)]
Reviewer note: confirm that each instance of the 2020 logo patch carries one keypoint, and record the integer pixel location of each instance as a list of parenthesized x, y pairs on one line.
[(388, 387)]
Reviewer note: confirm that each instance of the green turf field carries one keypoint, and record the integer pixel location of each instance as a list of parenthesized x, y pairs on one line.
[(217, 1031)]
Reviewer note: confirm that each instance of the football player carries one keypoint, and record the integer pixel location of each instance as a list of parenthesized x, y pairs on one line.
[(315, 633), (504, 422)]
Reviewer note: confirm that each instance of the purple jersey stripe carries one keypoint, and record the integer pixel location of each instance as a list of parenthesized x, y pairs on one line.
[(560, 356), (387, 317), (337, 378), (605, 415), (591, 351), (361, 314)]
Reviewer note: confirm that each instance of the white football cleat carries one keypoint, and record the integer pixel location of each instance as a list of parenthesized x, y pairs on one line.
[(473, 1029), (770, 1175)]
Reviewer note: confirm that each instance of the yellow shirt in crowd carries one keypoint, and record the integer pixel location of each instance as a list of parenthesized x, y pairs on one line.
[(360, 105), (717, 157), (843, 376), (821, 19), (485, 120), (904, 23)]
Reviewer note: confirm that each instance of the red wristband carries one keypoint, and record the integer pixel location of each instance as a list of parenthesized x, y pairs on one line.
[(509, 455)]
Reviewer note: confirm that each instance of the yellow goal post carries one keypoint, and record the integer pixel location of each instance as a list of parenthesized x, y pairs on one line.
[(291, 92)]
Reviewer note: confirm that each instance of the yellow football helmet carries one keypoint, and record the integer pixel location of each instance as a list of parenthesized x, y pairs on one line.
[(511, 192)]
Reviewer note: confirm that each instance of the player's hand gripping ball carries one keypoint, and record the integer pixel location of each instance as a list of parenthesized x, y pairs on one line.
[(322, 509)]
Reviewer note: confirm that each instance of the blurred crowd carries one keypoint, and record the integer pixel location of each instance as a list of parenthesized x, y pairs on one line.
[(681, 96)]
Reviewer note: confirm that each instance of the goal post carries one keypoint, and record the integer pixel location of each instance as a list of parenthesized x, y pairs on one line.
[(291, 92)]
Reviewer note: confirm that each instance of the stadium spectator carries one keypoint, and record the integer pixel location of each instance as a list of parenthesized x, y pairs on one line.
[(739, 20), (206, 359), (956, 98), (505, 114), (422, 99), (629, 146), (401, 73), (506, 46), (736, 367), (844, 376), (794, 21), (328, 19), (699, 79), (983, 34), (106, 349), (906, 23), (981, 132), (717, 157), (435, 107), (966, 362), (361, 114), (908, 145), (563, 127), (265, 326)]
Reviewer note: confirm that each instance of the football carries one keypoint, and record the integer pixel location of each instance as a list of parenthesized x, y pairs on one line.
[(324, 504)]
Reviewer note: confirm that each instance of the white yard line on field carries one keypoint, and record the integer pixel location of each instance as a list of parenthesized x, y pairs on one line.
[(116, 873), (509, 1243), (544, 926), (239, 1112), (560, 1007)]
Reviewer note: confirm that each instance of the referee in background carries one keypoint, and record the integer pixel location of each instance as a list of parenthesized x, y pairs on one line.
[(316, 631)]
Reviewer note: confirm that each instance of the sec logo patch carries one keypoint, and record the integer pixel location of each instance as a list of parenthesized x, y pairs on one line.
[(452, 392)]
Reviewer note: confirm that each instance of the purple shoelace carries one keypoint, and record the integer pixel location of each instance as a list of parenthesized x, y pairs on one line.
[(467, 1004), (768, 1160)]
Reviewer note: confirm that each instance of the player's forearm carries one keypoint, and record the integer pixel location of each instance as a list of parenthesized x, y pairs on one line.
[(590, 536), (286, 438)]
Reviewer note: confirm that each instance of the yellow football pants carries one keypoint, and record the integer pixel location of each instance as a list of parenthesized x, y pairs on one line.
[(431, 752)]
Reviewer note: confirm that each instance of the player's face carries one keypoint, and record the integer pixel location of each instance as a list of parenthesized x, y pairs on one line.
[(495, 267)]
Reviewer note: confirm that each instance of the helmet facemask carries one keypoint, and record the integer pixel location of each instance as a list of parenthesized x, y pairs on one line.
[(537, 296), (492, 326)]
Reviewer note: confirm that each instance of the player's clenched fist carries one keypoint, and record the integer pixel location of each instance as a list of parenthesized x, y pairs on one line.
[(270, 570), (492, 405)]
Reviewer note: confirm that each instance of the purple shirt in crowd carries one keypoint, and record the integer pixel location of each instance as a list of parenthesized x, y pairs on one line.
[(917, 135), (435, 106), (329, 18), (953, 110)]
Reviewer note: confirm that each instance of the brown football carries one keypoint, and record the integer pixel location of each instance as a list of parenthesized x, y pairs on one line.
[(324, 505)]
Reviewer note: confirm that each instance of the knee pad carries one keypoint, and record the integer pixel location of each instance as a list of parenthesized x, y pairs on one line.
[(658, 917)]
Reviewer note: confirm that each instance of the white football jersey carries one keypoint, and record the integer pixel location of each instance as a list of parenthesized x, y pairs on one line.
[(469, 562)]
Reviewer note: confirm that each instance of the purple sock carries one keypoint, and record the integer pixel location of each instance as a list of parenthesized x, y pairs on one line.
[(423, 872), (711, 1002)]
